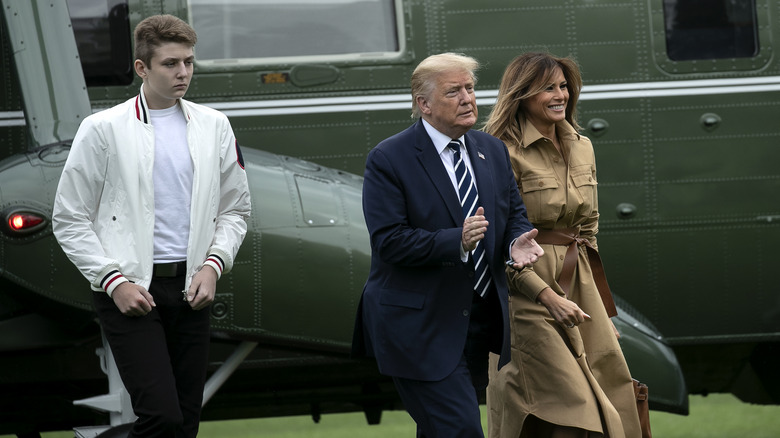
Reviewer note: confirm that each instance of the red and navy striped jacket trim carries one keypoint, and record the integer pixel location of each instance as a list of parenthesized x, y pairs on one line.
[(140, 109), (217, 260), (109, 279)]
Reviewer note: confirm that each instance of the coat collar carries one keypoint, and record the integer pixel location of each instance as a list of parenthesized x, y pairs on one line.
[(564, 129), (431, 162), (141, 108), (486, 183)]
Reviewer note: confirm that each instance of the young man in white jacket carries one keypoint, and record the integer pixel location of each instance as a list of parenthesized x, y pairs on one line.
[(151, 208)]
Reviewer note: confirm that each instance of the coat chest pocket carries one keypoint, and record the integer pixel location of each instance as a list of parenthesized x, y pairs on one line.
[(585, 182), (539, 194), (583, 176)]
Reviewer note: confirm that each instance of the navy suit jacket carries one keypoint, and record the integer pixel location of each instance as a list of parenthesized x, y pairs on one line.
[(413, 315)]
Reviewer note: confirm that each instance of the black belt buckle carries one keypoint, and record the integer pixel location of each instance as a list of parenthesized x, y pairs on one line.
[(174, 269)]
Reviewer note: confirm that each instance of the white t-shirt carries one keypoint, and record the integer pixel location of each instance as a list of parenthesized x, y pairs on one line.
[(172, 185)]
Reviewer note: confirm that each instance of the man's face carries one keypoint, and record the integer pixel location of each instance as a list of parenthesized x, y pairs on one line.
[(451, 107), (168, 76)]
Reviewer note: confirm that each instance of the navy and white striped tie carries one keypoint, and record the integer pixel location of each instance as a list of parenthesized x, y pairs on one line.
[(469, 198)]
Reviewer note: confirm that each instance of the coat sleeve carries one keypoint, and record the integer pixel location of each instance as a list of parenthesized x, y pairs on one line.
[(518, 222), (590, 227), (76, 206), (525, 280), (397, 214), (234, 205)]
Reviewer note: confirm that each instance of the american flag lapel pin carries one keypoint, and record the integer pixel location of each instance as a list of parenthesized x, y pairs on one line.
[(480, 155)]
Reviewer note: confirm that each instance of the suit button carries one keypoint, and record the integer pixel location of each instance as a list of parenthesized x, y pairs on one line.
[(465, 312)]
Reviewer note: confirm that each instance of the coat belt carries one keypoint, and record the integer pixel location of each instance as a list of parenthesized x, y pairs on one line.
[(571, 237)]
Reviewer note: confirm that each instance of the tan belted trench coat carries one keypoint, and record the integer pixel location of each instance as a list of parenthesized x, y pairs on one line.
[(573, 377)]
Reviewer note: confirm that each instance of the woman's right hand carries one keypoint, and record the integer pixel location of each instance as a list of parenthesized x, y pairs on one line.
[(565, 311)]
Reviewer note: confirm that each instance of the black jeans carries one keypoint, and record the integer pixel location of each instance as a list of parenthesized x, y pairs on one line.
[(162, 358)]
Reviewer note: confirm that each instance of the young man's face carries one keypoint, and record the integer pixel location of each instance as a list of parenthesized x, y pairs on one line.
[(168, 75)]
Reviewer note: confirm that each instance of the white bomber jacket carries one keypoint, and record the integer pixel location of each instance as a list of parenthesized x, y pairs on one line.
[(104, 207)]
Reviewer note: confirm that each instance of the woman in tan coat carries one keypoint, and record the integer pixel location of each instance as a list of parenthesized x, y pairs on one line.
[(567, 377)]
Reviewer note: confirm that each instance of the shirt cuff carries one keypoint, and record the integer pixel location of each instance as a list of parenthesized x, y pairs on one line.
[(509, 250)]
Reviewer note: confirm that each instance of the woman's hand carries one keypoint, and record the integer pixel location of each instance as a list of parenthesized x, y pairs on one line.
[(565, 311), (614, 329)]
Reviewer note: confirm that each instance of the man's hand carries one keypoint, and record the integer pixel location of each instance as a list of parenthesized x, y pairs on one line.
[(525, 251), (203, 287), (132, 299), (474, 228)]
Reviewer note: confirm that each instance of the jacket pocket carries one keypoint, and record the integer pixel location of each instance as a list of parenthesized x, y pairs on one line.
[(401, 298)]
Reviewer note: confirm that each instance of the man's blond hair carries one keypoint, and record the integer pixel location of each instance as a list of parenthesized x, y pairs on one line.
[(424, 76)]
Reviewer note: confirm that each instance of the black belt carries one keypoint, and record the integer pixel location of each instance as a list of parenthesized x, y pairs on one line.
[(173, 269)]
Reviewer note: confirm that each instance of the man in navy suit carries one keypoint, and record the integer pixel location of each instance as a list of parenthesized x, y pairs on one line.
[(435, 302)]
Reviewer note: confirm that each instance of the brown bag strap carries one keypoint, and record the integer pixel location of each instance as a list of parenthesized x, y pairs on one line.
[(642, 408), (640, 390), (571, 238)]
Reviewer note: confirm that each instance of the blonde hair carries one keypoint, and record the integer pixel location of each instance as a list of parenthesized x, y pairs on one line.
[(424, 76), (526, 76)]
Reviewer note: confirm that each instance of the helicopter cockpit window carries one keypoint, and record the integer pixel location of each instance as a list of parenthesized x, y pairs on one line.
[(102, 31), (279, 30), (710, 29)]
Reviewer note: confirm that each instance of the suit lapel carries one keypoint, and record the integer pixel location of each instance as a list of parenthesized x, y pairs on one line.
[(485, 183), (431, 162)]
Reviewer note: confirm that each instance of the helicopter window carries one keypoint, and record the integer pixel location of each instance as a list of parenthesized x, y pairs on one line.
[(251, 29), (710, 29), (102, 31)]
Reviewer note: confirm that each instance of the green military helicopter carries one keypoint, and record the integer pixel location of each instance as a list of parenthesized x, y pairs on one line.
[(688, 220)]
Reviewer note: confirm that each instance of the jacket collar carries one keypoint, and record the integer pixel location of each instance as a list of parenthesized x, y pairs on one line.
[(142, 109), (564, 129), (440, 141), (431, 161)]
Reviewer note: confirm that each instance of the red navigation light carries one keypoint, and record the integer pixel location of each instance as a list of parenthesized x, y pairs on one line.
[(16, 222), (25, 221)]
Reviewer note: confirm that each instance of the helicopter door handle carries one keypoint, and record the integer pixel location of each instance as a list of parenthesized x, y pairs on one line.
[(709, 121), (626, 210), (598, 127)]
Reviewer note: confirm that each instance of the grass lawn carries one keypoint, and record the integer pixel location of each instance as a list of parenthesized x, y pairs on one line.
[(714, 416)]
